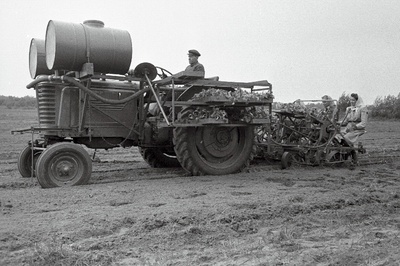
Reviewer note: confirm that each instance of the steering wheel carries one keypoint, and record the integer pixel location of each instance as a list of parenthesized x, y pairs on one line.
[(162, 72)]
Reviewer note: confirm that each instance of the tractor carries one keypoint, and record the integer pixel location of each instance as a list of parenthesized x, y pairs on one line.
[(88, 98)]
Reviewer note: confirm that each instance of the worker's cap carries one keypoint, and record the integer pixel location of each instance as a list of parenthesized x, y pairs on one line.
[(194, 52)]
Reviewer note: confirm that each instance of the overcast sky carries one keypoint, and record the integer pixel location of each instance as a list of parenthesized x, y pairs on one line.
[(304, 48)]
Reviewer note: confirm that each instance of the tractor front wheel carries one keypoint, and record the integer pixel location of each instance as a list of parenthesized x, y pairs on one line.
[(63, 164), (25, 161)]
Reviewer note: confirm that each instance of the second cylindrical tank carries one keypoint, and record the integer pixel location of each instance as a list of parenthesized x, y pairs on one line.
[(37, 58)]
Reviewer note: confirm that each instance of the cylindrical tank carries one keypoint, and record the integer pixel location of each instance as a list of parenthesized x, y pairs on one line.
[(37, 58), (70, 45)]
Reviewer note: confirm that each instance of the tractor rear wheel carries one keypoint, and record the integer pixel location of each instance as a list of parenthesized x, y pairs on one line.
[(159, 157), (213, 150), (63, 164), (25, 161)]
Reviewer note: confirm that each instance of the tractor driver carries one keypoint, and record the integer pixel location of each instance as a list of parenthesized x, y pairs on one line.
[(194, 64)]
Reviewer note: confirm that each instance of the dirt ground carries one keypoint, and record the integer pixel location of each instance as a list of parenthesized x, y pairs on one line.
[(131, 214)]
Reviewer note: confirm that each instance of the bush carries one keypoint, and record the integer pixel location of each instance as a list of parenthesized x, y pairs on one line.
[(343, 102), (387, 107)]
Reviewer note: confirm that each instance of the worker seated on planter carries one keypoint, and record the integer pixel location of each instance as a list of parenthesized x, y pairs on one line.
[(355, 121)]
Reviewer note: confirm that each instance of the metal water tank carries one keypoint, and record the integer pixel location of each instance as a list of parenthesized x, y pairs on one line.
[(37, 58), (70, 45)]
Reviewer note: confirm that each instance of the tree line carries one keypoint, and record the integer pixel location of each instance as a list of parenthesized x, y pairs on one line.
[(12, 102), (387, 107)]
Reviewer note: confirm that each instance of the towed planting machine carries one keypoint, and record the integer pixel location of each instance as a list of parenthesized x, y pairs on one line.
[(303, 134), (88, 98)]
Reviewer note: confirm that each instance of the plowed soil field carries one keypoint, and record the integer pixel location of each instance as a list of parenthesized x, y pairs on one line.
[(131, 214)]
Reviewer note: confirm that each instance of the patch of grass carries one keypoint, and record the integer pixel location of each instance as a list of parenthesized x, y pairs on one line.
[(296, 198), (56, 253), (321, 257), (116, 203), (17, 185)]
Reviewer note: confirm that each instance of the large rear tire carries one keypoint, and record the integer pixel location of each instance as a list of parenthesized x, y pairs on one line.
[(25, 161), (63, 164), (213, 150), (159, 158)]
